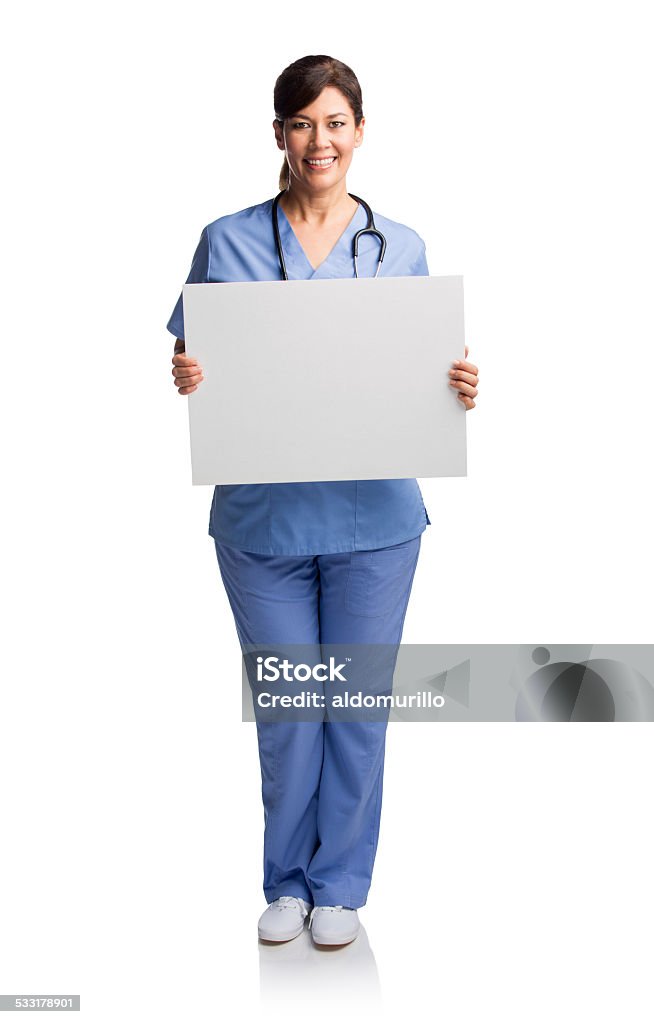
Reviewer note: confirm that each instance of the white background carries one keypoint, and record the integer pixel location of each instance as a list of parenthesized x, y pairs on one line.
[(513, 877)]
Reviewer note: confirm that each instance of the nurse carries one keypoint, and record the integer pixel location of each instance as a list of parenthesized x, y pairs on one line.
[(315, 563)]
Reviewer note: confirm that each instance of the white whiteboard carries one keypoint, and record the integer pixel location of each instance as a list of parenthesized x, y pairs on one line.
[(340, 379)]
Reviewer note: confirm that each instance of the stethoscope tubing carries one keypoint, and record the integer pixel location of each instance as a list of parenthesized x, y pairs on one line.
[(369, 229)]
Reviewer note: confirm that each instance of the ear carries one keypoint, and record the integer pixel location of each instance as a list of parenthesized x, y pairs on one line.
[(358, 133), (279, 135)]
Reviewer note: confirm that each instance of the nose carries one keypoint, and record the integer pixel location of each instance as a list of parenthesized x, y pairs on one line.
[(319, 137)]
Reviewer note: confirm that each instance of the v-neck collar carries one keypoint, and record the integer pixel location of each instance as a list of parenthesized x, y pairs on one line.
[(339, 255)]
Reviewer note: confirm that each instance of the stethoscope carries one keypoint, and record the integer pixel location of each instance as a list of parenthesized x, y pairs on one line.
[(369, 229)]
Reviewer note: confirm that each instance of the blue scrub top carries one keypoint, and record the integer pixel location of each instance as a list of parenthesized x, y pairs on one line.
[(328, 516)]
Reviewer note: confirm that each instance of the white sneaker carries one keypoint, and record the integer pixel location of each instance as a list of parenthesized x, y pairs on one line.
[(334, 926), (284, 919)]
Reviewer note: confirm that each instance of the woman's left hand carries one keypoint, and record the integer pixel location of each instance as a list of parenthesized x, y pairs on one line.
[(464, 376)]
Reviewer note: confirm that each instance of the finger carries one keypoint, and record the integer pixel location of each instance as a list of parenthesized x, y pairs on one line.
[(464, 388), (466, 352), (468, 402), (462, 375), (186, 371), (187, 391), (462, 364), (187, 382), (180, 360), (193, 367)]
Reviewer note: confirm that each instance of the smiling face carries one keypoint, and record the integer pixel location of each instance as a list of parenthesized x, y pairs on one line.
[(319, 141)]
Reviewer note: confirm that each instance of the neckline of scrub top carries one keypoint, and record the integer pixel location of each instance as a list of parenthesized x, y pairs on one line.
[(340, 254)]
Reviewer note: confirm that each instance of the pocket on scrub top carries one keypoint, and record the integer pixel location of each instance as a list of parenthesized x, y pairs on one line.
[(378, 579)]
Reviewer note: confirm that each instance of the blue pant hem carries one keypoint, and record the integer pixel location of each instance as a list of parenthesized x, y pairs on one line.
[(326, 900), (335, 900)]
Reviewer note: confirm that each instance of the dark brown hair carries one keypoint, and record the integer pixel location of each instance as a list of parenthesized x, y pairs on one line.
[(302, 82)]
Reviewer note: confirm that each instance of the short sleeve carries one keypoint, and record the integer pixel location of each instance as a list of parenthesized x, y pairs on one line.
[(419, 268), (199, 274)]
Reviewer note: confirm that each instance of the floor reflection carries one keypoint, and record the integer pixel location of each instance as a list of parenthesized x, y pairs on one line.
[(298, 966)]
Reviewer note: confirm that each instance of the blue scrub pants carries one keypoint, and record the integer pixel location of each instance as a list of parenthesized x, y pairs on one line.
[(321, 780)]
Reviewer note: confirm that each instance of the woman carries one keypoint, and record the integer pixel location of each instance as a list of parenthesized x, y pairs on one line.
[(315, 563)]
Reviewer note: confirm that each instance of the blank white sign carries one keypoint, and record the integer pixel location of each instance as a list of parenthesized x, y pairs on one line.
[(340, 379)]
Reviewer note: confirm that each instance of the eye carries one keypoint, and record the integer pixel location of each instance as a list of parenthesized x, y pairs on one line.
[(298, 124)]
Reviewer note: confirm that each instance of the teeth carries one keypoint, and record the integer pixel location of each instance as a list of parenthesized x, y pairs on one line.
[(322, 163)]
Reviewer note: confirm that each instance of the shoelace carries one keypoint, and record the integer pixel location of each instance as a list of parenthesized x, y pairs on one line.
[(283, 902)]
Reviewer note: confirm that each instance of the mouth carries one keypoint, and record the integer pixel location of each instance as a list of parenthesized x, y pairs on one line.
[(319, 165)]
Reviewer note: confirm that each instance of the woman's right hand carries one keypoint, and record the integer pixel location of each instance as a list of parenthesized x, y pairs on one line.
[(186, 371)]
